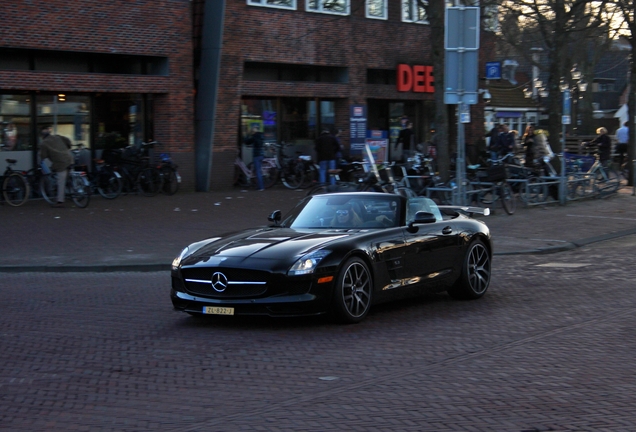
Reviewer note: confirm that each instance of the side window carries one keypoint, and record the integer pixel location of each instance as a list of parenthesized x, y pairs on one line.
[(338, 7), (282, 4)]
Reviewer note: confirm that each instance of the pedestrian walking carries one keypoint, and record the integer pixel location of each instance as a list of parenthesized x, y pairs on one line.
[(622, 138), (604, 144)]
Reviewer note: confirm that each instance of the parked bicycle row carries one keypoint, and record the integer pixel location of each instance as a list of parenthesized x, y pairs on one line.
[(119, 172)]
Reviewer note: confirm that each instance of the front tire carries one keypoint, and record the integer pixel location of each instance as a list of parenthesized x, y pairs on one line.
[(15, 189), (475, 274), (353, 293)]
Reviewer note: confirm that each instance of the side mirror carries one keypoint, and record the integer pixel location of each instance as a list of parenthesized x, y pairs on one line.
[(275, 217), (421, 217)]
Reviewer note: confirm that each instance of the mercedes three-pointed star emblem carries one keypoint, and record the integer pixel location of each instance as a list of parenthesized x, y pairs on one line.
[(219, 281)]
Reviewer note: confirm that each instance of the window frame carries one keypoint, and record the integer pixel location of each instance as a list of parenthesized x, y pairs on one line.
[(385, 10), (412, 3), (326, 11), (263, 3)]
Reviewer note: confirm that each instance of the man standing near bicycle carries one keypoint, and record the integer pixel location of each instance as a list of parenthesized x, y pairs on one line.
[(59, 153), (326, 149), (257, 141)]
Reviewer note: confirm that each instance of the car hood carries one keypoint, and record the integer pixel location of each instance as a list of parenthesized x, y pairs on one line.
[(266, 243)]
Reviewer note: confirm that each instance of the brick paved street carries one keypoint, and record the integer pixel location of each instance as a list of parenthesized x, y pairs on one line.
[(550, 347)]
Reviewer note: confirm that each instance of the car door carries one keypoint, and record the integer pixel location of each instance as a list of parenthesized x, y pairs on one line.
[(430, 249)]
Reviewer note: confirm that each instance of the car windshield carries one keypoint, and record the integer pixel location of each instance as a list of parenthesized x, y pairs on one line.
[(343, 211)]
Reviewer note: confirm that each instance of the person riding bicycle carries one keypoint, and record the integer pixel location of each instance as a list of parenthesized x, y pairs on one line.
[(604, 144), (59, 153)]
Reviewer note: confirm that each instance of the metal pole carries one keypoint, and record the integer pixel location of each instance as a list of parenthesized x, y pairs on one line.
[(562, 191)]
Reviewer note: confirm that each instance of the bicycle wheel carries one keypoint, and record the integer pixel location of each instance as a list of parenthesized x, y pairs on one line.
[(48, 187), (79, 189), (149, 181), (606, 181), (170, 180), (15, 189), (293, 174), (109, 184), (508, 198), (240, 178)]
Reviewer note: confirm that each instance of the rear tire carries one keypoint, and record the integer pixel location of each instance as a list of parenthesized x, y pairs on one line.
[(475, 273)]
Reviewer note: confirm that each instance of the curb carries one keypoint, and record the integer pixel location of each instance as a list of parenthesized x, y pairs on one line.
[(150, 267)]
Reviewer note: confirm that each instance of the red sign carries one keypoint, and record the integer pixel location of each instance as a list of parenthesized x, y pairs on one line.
[(418, 78)]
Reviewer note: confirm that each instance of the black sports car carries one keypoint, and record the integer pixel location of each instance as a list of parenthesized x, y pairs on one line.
[(337, 253)]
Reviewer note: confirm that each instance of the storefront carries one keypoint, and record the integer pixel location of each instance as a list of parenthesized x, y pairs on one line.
[(92, 121)]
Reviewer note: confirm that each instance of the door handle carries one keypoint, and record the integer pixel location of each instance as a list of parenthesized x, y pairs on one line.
[(447, 230)]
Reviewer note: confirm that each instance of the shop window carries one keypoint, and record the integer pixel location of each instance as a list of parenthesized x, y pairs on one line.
[(283, 4), (340, 7), (377, 9), (260, 112), (414, 11), (67, 115), (122, 120), (15, 128)]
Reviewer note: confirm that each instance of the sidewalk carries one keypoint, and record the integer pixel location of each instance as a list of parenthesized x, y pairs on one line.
[(137, 233)]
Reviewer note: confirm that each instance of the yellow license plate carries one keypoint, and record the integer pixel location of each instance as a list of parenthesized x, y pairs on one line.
[(213, 310)]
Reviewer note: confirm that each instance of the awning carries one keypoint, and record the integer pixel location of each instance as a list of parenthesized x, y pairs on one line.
[(507, 114)]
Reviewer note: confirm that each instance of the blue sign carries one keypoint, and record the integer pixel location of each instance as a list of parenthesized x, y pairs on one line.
[(493, 70), (357, 128)]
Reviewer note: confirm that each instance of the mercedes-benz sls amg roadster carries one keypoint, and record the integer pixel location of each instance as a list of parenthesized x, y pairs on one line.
[(337, 254)]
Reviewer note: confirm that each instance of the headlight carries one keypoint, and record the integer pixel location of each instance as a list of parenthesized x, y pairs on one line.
[(308, 263), (177, 260)]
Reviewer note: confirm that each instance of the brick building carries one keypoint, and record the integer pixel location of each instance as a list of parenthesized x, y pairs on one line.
[(102, 73), (295, 67)]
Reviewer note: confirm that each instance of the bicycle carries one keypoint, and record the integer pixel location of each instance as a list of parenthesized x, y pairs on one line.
[(244, 175), (77, 187), (600, 179), (137, 173), (490, 185), (15, 186), (104, 179)]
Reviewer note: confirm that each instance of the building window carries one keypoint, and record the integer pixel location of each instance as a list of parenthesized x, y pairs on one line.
[(15, 125), (282, 4), (340, 7), (414, 11), (377, 9)]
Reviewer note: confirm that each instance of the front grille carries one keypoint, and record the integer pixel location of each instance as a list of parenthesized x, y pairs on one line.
[(239, 283)]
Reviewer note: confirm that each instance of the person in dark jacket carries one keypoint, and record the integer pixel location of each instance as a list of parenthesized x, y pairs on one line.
[(257, 141), (604, 143), (407, 138), (59, 153), (326, 149)]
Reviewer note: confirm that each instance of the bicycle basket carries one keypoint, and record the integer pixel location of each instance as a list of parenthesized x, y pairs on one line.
[(583, 162)]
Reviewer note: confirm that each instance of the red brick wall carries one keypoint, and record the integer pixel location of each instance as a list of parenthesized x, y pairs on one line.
[(156, 28)]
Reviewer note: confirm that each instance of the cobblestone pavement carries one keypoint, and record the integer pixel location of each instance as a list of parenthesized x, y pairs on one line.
[(136, 233), (550, 347)]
